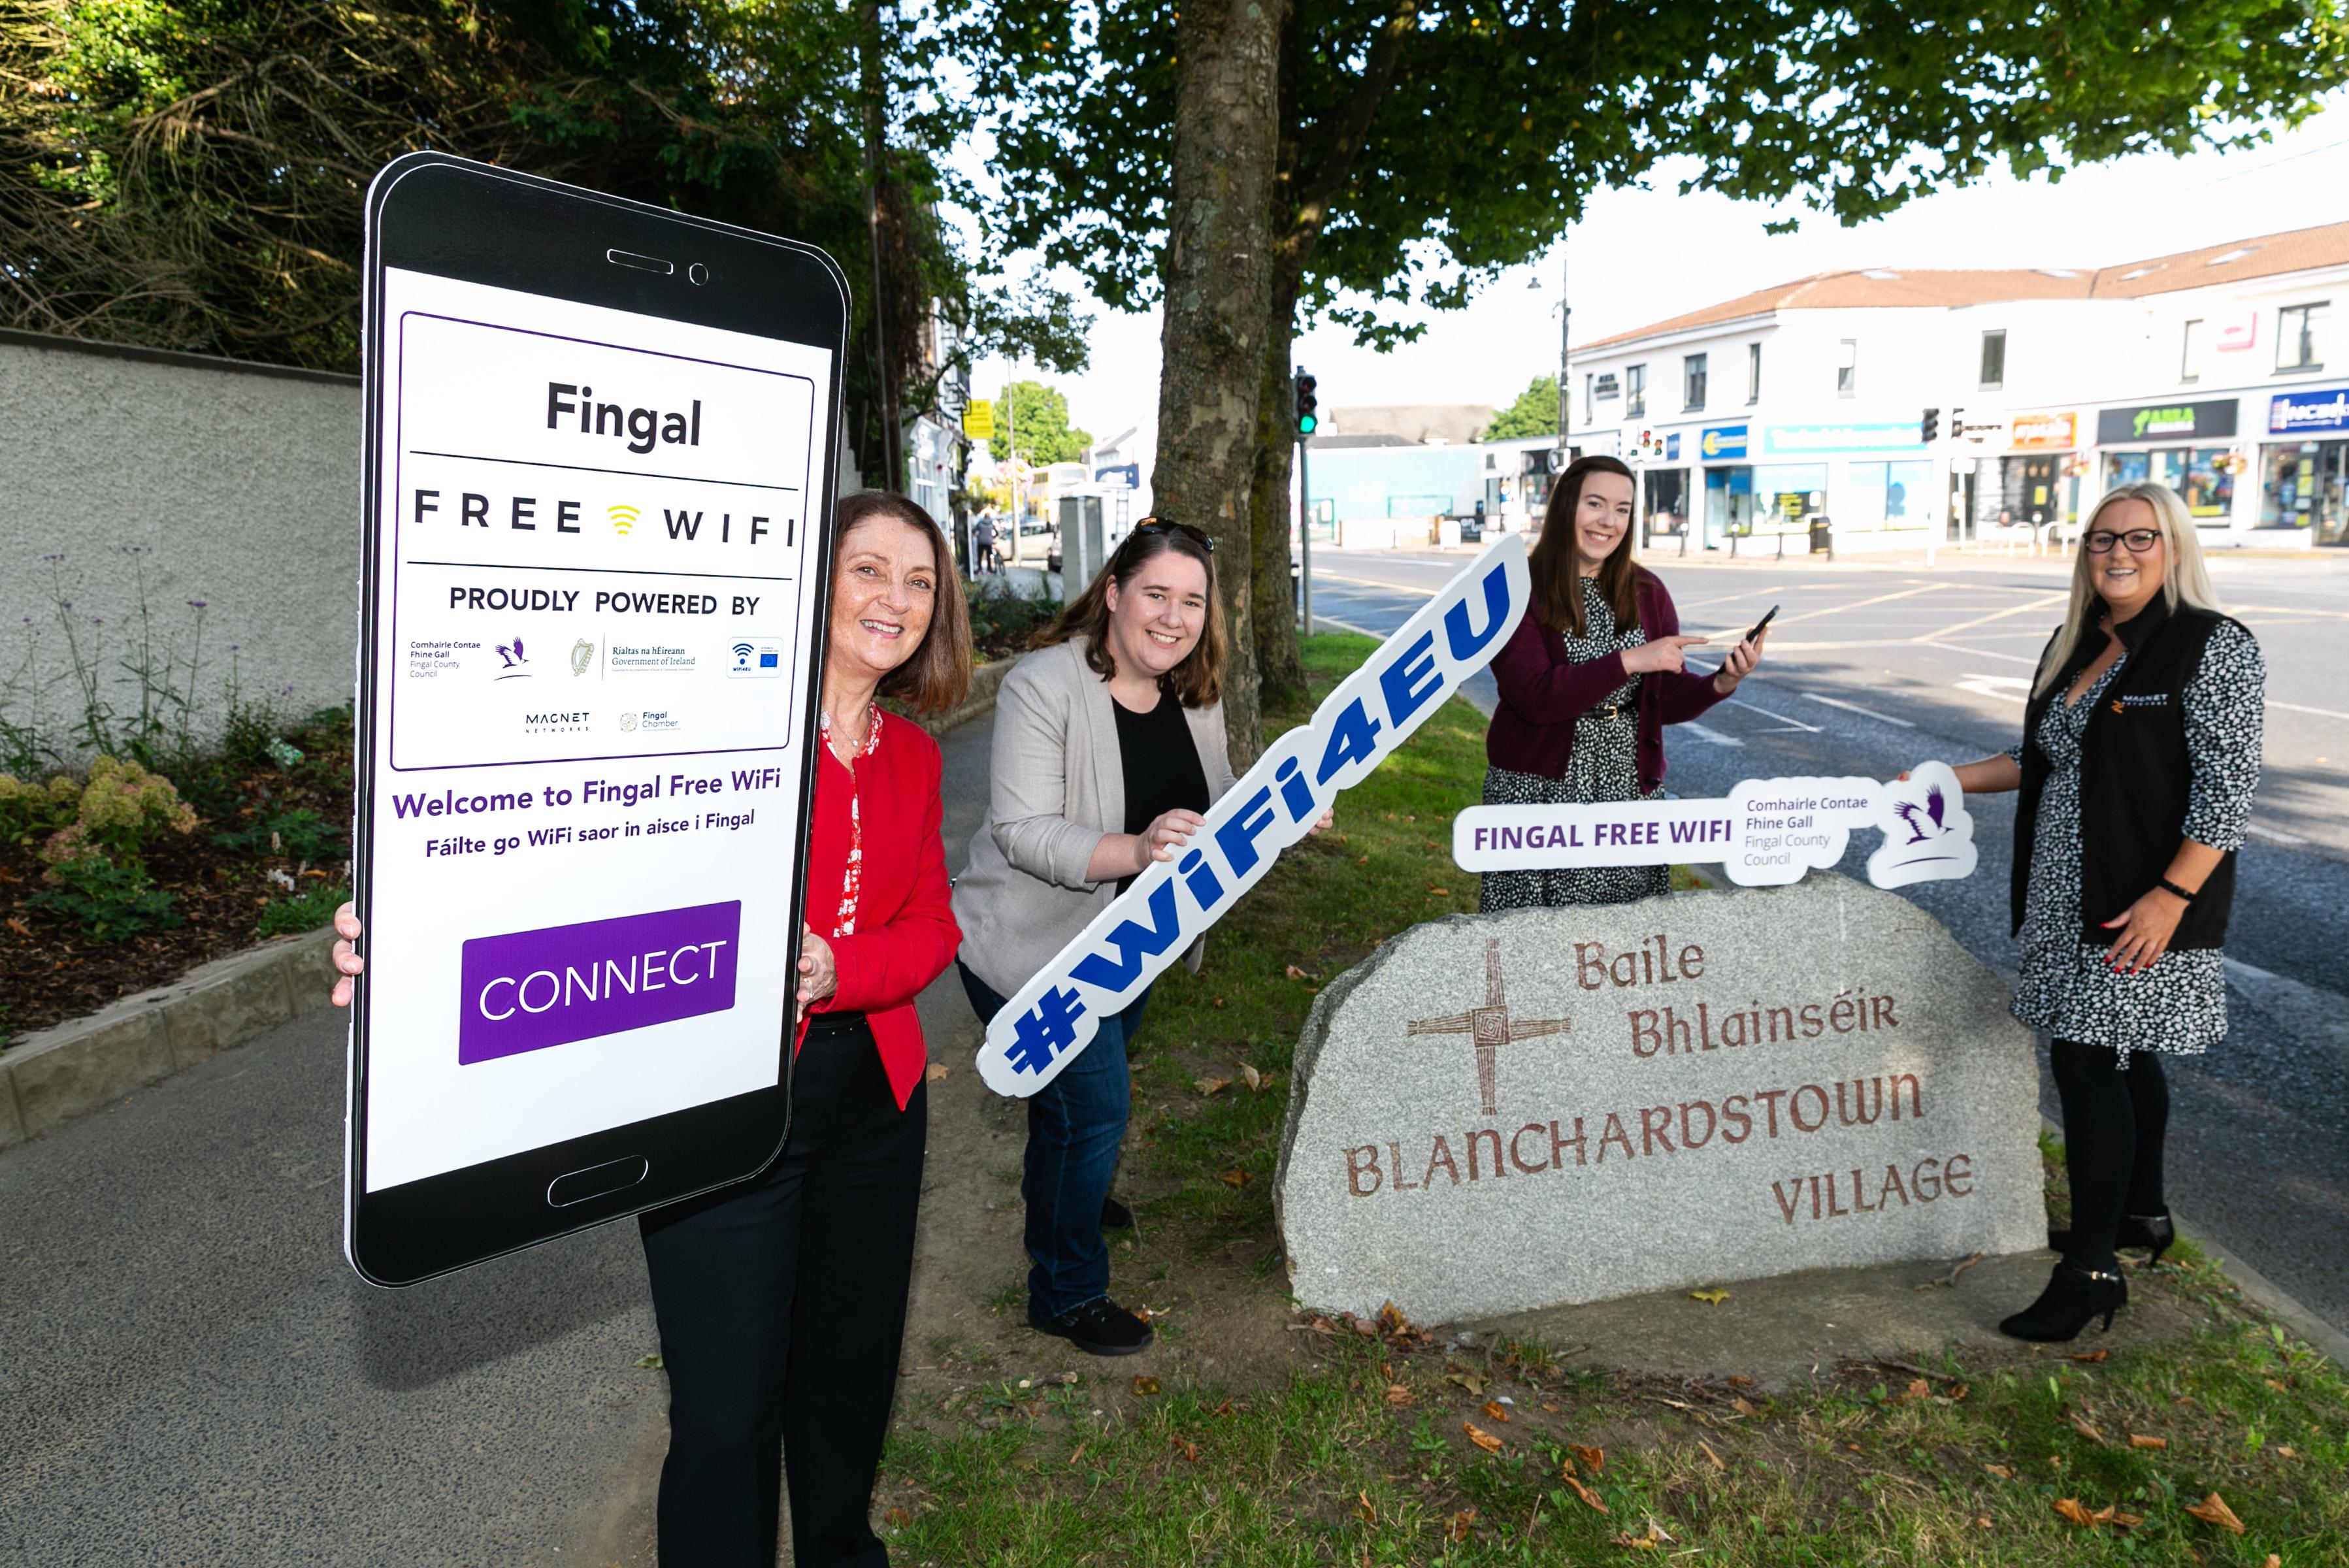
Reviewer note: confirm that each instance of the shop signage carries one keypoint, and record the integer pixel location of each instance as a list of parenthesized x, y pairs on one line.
[(1672, 447), (1723, 441), (2292, 413), (2165, 421), (2237, 333), (2044, 432), (1603, 387), (1805, 440)]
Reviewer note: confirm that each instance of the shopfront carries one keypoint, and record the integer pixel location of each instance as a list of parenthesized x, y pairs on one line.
[(2037, 486), (1867, 479), (2305, 464), (2170, 443), (1728, 484)]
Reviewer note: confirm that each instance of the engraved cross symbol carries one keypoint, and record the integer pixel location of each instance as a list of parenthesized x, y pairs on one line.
[(1490, 1025)]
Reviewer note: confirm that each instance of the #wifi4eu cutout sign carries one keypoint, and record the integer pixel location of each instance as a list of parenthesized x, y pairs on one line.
[(1373, 711)]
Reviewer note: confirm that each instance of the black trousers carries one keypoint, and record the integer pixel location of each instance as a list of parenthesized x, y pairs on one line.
[(2116, 1122), (782, 1304)]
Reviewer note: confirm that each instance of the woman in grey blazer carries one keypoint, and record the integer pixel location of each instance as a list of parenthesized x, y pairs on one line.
[(1109, 745)]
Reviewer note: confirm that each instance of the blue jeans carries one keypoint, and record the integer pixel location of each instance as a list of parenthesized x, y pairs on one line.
[(1076, 1125)]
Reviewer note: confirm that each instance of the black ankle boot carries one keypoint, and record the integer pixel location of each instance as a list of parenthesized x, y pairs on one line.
[(2155, 1233), (2074, 1294)]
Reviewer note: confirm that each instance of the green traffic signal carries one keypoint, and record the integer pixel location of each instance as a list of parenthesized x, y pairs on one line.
[(1309, 419)]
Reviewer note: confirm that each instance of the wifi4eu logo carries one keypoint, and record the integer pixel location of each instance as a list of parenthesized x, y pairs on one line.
[(624, 519), (757, 657)]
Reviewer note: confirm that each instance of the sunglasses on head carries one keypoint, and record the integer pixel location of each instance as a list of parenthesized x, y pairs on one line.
[(1166, 525)]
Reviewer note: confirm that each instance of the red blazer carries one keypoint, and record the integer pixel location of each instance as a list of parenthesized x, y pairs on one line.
[(1543, 693), (905, 930)]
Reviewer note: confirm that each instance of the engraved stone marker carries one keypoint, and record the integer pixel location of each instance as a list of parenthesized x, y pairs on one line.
[(1499, 1112)]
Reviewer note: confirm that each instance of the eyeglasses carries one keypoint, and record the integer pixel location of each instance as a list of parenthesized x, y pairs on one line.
[(1199, 537), (2140, 541)]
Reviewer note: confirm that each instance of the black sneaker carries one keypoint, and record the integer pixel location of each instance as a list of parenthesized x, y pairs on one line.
[(1100, 1327), (1115, 1216)]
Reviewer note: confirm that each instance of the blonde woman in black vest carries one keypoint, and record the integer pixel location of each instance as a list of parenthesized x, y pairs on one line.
[(2140, 753)]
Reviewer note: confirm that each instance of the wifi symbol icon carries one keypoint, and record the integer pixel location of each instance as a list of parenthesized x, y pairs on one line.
[(743, 654), (624, 518)]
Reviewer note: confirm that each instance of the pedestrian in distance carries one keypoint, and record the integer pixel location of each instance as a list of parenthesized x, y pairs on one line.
[(982, 542), (1589, 680), (2139, 757), (1108, 746), (781, 1299)]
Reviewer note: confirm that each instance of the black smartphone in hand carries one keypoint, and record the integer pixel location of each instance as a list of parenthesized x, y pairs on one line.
[(1762, 624)]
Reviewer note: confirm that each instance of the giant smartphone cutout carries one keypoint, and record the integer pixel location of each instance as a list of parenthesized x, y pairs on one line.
[(598, 491)]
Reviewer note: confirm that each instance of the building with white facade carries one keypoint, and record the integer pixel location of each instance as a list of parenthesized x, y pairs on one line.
[(1898, 401)]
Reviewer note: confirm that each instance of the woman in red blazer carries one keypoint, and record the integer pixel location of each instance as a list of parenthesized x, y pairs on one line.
[(781, 1299), (1588, 681)]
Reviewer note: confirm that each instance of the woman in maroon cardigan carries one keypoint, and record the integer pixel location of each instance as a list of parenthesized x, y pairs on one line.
[(781, 1299), (1587, 682)]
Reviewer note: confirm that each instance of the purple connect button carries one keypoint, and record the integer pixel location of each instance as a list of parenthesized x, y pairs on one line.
[(533, 989)]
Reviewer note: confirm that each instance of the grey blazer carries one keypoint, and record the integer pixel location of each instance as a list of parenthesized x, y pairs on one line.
[(1058, 788)]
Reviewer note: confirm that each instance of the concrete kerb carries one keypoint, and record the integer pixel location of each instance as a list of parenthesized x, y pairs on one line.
[(54, 1076)]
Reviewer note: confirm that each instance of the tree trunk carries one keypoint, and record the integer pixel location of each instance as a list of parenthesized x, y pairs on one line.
[(1217, 276), (1280, 670)]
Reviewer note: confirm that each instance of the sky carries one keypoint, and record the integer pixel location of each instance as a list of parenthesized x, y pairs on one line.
[(1642, 255)]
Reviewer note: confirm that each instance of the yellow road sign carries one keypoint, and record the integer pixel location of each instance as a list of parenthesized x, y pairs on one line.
[(978, 419)]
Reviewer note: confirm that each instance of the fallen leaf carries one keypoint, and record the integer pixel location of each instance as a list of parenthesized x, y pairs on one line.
[(1144, 1386), (1741, 1382), (18, 926), (1398, 1395), (1481, 1438), (651, 1362), (1496, 1411), (1078, 1455), (1294, 973), (1455, 1529), (2091, 1357), (936, 1071), (2140, 1440), (1434, 891), (1739, 1403), (1593, 1460), (1854, 1448), (897, 1519), (1710, 1455), (1712, 1297), (1253, 1079), (1219, 1001), (2213, 1510), (2001, 1471), (1982, 1522), (1917, 1389), (2126, 1521), (2273, 1562), (1225, 1409), (2284, 1450), (1637, 1542), (1211, 1085), (1363, 861), (1584, 1492), (1236, 1177), (1474, 1382), (2086, 1431), (2277, 1385), (2070, 1508), (1362, 1509), (1553, 1410)]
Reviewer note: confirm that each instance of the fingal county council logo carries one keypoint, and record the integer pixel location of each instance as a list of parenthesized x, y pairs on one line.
[(583, 653), (514, 665), (627, 721), (1489, 1027)]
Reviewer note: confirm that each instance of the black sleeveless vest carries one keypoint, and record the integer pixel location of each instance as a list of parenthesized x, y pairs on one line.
[(2134, 775)]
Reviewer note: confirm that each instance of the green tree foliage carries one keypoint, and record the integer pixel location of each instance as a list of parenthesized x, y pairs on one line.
[(1535, 413), (1031, 419), (190, 174)]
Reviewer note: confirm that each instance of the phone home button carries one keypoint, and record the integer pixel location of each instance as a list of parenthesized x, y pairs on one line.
[(596, 1181)]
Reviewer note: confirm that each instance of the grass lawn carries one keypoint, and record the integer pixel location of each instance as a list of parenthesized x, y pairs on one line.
[(1386, 1445)]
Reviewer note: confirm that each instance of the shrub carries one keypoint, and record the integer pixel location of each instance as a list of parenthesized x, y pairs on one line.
[(304, 912), (1002, 622), (299, 834), (109, 902), (119, 812), (29, 808)]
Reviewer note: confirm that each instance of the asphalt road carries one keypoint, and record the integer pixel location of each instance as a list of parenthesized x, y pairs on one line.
[(1876, 665)]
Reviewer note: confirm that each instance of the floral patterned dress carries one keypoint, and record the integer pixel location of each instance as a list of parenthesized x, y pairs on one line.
[(2067, 989), (1605, 765), (843, 921)]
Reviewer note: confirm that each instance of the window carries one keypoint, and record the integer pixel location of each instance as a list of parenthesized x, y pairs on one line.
[(2189, 358), (1994, 360), (1753, 373), (1692, 382), (1635, 391), (2300, 336), (1589, 397), (1847, 369)]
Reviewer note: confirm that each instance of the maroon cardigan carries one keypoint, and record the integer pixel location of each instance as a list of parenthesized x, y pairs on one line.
[(1543, 693)]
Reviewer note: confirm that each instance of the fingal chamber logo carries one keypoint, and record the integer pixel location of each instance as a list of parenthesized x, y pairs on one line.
[(627, 721)]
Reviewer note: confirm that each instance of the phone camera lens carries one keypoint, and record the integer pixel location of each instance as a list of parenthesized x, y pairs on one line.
[(696, 273)]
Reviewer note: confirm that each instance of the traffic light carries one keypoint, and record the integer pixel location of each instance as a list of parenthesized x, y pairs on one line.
[(1931, 425), (1309, 419)]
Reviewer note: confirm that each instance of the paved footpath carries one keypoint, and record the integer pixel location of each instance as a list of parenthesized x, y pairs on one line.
[(192, 1373)]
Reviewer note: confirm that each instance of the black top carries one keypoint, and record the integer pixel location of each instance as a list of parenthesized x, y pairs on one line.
[(1161, 764), (2135, 766)]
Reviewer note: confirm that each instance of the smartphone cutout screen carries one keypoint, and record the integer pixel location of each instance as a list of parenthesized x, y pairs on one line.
[(594, 585)]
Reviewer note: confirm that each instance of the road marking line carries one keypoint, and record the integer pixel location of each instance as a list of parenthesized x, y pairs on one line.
[(1855, 707), (2274, 834), (1321, 619), (1702, 733), (1858, 603), (2001, 686), (2248, 970), (2296, 707), (2041, 603), (1790, 722), (1977, 653), (1374, 582)]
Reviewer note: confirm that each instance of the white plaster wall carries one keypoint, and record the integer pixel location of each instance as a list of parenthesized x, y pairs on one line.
[(241, 486)]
